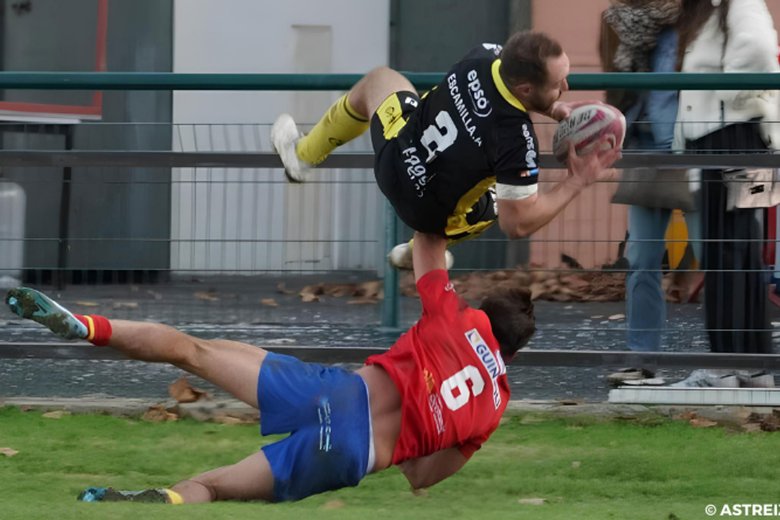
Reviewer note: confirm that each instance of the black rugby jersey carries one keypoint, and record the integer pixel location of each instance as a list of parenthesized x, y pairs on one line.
[(469, 133)]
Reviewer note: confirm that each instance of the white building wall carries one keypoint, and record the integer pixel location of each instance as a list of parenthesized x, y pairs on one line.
[(243, 220)]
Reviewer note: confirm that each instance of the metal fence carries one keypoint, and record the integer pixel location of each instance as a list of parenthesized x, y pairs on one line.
[(208, 231)]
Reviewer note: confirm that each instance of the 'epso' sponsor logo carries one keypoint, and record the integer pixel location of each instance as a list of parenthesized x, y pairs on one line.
[(492, 362), (480, 103)]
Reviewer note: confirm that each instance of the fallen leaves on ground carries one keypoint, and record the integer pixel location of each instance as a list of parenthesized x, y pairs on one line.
[(697, 422), (158, 413), (565, 283), (362, 293), (532, 501), (769, 422), (269, 302), (56, 414), (184, 392), (208, 296), (544, 284), (746, 421), (333, 504), (229, 419), (282, 289), (8, 452)]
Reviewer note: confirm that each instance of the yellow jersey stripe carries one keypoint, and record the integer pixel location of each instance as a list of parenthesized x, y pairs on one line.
[(503, 89)]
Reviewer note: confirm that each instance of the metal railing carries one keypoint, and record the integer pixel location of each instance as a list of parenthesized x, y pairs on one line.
[(307, 82), (268, 82)]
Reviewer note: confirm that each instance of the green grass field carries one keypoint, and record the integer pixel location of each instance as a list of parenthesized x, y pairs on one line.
[(583, 468)]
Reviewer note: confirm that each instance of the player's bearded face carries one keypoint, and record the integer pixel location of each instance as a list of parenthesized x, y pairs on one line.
[(543, 96), (542, 99)]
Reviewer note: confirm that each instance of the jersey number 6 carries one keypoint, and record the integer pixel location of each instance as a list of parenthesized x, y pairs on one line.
[(459, 381)]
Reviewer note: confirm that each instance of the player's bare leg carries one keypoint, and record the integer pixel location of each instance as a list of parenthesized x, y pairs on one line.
[(231, 365), (345, 120), (248, 479), (374, 87)]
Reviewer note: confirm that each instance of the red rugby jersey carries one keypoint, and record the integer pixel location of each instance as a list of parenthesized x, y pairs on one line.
[(450, 374)]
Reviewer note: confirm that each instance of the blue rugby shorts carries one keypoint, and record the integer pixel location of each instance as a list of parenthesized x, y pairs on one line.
[(326, 411)]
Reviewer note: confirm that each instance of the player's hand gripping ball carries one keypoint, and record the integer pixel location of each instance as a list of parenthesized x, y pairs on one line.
[(588, 126)]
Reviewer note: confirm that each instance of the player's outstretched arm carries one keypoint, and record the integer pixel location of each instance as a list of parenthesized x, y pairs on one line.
[(520, 218), (424, 472), (428, 253)]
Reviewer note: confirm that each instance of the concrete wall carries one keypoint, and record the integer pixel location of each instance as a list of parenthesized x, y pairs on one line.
[(119, 217), (263, 222)]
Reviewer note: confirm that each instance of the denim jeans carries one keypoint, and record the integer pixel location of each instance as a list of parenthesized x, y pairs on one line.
[(645, 299), (651, 128)]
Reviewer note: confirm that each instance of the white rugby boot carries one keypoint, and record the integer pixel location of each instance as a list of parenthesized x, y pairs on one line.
[(284, 137), (400, 257)]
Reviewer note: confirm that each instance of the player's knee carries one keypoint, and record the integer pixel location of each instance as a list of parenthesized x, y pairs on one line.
[(189, 353), (383, 72), (207, 489)]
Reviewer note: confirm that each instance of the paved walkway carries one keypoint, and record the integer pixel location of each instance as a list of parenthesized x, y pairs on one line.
[(258, 311)]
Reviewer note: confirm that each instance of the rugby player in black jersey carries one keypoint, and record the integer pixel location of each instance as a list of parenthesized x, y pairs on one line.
[(463, 155)]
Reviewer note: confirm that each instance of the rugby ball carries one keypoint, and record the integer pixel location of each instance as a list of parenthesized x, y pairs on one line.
[(586, 126)]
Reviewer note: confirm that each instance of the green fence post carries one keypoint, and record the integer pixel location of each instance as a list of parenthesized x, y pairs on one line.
[(391, 305)]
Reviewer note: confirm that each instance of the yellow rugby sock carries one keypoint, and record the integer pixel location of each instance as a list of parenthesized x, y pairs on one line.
[(340, 124)]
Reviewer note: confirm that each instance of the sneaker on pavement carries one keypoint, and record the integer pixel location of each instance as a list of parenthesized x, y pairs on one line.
[(625, 375), (34, 305), (650, 381), (709, 379), (759, 379), (400, 257), (148, 496), (284, 137)]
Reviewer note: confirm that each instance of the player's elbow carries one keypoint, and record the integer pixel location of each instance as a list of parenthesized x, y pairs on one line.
[(515, 230), (422, 481)]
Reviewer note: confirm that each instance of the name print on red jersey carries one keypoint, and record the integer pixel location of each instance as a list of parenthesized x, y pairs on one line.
[(491, 361)]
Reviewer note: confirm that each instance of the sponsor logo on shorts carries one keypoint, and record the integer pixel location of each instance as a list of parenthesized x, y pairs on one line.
[(323, 412), (416, 170), (492, 362)]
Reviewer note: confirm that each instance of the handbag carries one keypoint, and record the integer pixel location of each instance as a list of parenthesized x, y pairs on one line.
[(752, 188), (655, 188)]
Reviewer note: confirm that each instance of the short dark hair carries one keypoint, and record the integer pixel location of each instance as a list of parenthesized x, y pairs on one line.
[(524, 57), (511, 316)]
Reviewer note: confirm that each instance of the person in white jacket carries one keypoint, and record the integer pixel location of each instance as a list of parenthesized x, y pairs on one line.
[(729, 36)]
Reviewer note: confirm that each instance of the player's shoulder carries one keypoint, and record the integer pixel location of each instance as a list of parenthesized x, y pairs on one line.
[(435, 280), (480, 57), (489, 51)]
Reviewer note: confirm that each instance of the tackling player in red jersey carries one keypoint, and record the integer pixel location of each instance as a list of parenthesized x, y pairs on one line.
[(427, 404), (449, 371)]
